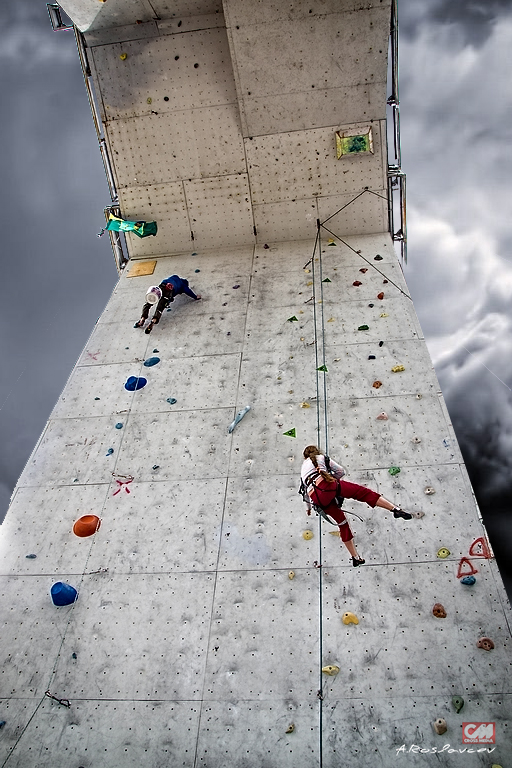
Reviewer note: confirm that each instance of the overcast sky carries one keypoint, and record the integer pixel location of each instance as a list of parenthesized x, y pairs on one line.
[(456, 101)]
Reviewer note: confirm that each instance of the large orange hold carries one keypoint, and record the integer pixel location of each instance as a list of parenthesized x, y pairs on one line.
[(86, 525)]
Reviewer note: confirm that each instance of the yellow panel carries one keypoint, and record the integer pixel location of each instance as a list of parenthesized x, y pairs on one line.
[(142, 268)]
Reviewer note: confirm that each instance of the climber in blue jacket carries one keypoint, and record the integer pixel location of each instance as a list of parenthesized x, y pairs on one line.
[(162, 295)]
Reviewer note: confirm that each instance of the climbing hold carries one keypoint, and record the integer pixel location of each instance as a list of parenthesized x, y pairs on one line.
[(290, 433), (197, 270), (397, 368), (326, 280), (291, 575), (429, 491), (364, 328), (307, 535), (378, 257), (235, 287), (305, 405), (380, 295), (466, 568), (119, 425), (371, 357), (363, 269), (31, 557), (74, 656), (416, 440), (135, 382), (155, 467), (266, 247), (331, 242), (349, 618), (149, 100), (307, 270), (335, 533), (171, 400), (238, 418), (123, 56), (86, 526), (371, 305), (385, 281), (381, 343), (331, 669), (443, 552), (109, 452), (323, 368), (439, 611), (394, 470), (382, 416), (293, 319), (377, 384), (418, 515), (440, 726), (418, 396), (151, 361), (357, 283), (96, 398), (2, 723), (331, 320), (383, 314), (63, 594), (485, 643), (468, 581), (483, 549), (290, 728), (458, 703)]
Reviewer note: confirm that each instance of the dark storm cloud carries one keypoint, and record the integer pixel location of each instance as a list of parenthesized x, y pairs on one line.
[(472, 22)]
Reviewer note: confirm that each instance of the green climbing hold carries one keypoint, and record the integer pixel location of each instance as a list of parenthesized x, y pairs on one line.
[(293, 319), (458, 703), (364, 328), (394, 470), (290, 433), (326, 280), (323, 368)]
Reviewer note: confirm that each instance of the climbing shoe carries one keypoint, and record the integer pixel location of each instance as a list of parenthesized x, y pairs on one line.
[(400, 513), (150, 327), (139, 324), (358, 561)]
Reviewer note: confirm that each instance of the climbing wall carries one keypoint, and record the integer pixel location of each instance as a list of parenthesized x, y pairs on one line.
[(207, 601)]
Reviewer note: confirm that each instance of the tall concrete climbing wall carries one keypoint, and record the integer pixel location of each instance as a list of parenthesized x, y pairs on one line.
[(208, 601)]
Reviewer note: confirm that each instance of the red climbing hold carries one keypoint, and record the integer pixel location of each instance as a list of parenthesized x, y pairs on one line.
[(465, 564), (380, 295), (482, 548), (357, 282), (363, 269)]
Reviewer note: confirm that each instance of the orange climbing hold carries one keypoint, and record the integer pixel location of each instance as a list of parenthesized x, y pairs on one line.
[(380, 295)]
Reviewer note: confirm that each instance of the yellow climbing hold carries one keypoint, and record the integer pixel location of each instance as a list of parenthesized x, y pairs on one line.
[(443, 552), (309, 283), (331, 320), (307, 270), (305, 405), (398, 368), (149, 100), (335, 533), (331, 669), (291, 575), (384, 314), (123, 56), (307, 535), (349, 618), (290, 728)]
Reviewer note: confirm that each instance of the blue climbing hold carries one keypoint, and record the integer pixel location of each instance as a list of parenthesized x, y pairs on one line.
[(171, 400), (31, 557), (468, 581), (135, 382), (197, 270), (156, 350), (63, 594), (119, 425), (151, 361), (194, 254), (109, 452)]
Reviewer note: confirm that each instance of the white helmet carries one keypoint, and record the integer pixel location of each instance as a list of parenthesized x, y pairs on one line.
[(154, 294)]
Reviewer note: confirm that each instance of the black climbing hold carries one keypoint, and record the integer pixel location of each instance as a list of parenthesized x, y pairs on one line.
[(195, 253), (371, 357), (96, 398), (266, 247), (74, 656), (155, 466), (156, 350), (196, 65), (197, 270), (371, 305), (135, 382), (2, 723), (151, 361), (31, 557), (119, 425), (166, 98), (176, 58), (127, 347), (381, 343), (378, 257), (236, 286)]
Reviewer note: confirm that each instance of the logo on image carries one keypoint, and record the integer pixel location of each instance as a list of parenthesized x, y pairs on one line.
[(478, 733)]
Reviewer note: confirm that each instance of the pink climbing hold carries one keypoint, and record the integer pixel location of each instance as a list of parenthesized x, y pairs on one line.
[(464, 565), (482, 546), (382, 416)]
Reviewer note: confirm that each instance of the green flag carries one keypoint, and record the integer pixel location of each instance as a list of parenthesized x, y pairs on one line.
[(139, 228)]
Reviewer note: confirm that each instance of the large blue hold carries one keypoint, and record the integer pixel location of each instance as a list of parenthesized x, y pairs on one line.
[(63, 594), (135, 382)]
